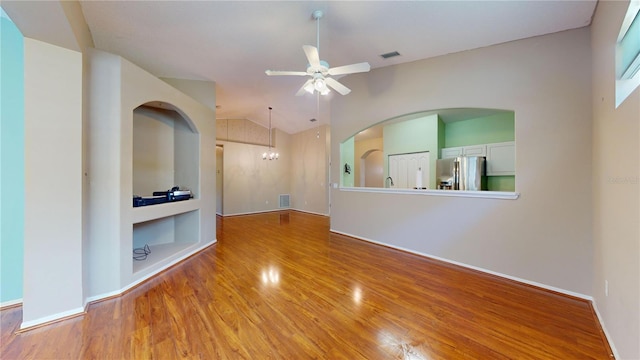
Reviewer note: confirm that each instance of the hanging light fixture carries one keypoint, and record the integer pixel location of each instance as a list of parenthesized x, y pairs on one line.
[(271, 155)]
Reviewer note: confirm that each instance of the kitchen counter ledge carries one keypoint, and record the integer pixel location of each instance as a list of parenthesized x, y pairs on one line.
[(502, 195)]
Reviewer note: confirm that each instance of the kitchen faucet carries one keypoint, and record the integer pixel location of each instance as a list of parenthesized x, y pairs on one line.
[(389, 178)]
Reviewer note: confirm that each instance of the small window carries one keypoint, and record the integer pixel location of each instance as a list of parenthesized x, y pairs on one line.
[(628, 53), (629, 44)]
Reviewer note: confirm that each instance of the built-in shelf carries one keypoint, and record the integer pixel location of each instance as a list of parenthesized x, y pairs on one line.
[(152, 212), (166, 236), (165, 154), (160, 253), (139, 147)]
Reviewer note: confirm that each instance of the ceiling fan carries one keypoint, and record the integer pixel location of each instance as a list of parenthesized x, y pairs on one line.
[(319, 70)]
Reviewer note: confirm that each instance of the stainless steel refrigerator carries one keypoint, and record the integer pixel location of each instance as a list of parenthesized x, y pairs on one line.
[(462, 173)]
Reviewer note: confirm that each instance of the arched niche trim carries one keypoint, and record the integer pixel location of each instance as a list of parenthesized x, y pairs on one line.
[(163, 107)]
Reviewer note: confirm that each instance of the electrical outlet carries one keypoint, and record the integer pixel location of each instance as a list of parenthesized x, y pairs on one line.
[(266, 202), (606, 288)]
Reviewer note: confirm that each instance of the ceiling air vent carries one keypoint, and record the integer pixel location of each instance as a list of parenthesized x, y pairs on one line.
[(390, 54)]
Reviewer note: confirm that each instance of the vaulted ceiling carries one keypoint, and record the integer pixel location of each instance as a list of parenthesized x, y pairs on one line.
[(234, 42)]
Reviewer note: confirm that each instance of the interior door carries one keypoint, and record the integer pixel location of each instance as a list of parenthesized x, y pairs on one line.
[(405, 169)]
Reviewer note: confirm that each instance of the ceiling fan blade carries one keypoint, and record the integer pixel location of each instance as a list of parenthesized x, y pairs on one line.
[(302, 89), (312, 55), (278, 72), (343, 90), (350, 69)]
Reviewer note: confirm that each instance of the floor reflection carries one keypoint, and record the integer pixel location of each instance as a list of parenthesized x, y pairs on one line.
[(357, 295), (401, 348), (271, 276), (284, 218)]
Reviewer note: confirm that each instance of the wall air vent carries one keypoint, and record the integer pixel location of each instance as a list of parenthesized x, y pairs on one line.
[(284, 201), (390, 54)]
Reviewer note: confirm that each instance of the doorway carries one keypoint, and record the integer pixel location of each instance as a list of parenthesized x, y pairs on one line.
[(371, 169), (219, 179)]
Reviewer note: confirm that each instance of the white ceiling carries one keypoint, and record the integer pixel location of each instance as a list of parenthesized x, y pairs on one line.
[(234, 42)]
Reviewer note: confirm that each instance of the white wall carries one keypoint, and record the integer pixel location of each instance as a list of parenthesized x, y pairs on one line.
[(543, 237), (53, 274), (616, 193)]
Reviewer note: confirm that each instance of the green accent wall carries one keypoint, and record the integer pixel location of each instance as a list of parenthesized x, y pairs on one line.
[(501, 183), (347, 153), (484, 130), (410, 136), (11, 160)]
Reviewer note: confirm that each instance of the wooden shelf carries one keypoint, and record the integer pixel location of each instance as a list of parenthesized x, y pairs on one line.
[(158, 211)]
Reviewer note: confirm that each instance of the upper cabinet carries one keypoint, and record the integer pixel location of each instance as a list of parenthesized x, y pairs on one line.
[(452, 152), (472, 150), (501, 159)]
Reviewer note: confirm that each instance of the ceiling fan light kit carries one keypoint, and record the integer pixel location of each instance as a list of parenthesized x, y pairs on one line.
[(319, 70)]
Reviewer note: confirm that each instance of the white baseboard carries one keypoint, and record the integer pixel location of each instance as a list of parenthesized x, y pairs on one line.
[(453, 262), (310, 212), (52, 318), (146, 277), (604, 329), (11, 303), (253, 212), (274, 210)]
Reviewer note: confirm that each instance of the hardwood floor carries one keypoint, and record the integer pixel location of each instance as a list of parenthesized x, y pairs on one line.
[(281, 286)]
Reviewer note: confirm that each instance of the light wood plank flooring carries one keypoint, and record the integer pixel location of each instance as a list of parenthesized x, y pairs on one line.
[(281, 286)]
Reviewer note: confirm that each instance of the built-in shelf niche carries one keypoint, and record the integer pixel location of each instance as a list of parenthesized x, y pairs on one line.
[(143, 136), (165, 237), (165, 154), (165, 150)]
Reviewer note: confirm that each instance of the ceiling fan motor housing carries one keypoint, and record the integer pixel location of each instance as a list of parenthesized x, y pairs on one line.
[(319, 70), (322, 69)]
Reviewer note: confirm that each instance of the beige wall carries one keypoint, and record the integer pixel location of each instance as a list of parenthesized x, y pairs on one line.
[(616, 194), (243, 131), (117, 87), (362, 148), (250, 183), (543, 237), (53, 274), (310, 170)]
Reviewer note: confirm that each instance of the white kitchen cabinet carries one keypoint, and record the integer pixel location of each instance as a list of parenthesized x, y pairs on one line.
[(474, 150), (501, 159), (452, 152), (471, 150)]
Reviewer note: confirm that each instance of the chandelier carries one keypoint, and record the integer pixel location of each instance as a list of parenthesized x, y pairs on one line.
[(271, 155)]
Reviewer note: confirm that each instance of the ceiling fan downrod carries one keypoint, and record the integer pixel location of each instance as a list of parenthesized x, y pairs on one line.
[(317, 15)]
